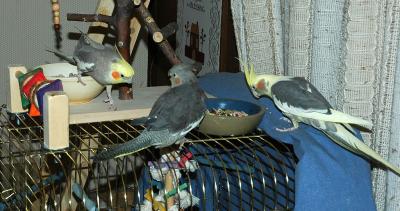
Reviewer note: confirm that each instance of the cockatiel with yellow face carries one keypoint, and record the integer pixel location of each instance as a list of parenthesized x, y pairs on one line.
[(102, 62), (301, 102)]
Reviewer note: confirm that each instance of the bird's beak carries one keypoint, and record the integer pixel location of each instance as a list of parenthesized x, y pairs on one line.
[(175, 81), (255, 93)]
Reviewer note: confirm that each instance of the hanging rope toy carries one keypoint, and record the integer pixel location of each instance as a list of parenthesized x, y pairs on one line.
[(55, 6)]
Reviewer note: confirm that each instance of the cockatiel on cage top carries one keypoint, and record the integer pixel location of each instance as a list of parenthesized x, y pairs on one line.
[(102, 62), (173, 115), (300, 101)]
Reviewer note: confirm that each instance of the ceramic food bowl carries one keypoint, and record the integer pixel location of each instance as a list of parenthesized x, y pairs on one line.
[(77, 92), (224, 117)]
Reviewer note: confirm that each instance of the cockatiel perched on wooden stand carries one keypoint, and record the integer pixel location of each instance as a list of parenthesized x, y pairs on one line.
[(102, 62), (301, 102)]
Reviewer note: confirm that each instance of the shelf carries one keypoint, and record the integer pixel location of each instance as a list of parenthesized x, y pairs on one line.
[(98, 111)]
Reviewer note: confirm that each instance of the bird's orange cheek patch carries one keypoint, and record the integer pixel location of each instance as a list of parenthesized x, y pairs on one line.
[(177, 81), (116, 75), (261, 85)]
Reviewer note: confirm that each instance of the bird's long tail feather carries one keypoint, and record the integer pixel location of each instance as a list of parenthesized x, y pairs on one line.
[(346, 139), (64, 57), (141, 142), (341, 117)]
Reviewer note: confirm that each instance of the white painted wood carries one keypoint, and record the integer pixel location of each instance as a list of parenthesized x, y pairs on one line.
[(55, 120), (98, 111), (104, 7), (13, 93)]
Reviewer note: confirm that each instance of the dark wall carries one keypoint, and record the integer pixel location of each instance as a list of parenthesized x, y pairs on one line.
[(164, 12)]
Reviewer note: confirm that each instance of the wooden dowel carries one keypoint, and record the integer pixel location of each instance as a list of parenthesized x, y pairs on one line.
[(137, 2), (169, 29), (147, 19), (169, 185), (91, 18), (123, 17)]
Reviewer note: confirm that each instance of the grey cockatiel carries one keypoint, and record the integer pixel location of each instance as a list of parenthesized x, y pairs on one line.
[(173, 115), (102, 62), (300, 101)]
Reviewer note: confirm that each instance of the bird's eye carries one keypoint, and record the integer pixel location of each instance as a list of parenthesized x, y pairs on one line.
[(122, 75)]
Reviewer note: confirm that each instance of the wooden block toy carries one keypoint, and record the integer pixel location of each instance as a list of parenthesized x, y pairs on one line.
[(13, 94), (56, 120)]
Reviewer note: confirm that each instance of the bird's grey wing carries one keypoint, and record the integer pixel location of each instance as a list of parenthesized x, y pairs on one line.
[(177, 108), (100, 58), (85, 41), (297, 95), (87, 58)]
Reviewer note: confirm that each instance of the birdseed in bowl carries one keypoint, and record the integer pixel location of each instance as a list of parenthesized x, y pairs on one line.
[(227, 112)]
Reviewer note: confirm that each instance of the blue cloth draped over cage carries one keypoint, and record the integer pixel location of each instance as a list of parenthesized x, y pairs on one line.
[(327, 177)]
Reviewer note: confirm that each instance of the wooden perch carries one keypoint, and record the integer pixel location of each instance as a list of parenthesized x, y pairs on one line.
[(103, 7), (147, 19), (169, 29), (121, 21), (123, 17), (91, 18)]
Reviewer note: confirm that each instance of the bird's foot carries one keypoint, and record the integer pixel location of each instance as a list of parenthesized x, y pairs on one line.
[(111, 106), (181, 143), (294, 127), (80, 80), (285, 119)]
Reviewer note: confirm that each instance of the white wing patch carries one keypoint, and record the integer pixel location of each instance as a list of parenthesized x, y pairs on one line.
[(190, 127), (335, 116), (283, 106), (85, 66)]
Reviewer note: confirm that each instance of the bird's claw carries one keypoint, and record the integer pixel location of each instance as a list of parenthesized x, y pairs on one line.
[(80, 80), (111, 106), (181, 143), (288, 120), (285, 119)]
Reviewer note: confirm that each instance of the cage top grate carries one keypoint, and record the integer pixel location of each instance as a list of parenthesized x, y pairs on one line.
[(238, 172)]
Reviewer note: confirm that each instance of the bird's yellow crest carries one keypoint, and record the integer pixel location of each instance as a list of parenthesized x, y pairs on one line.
[(249, 72)]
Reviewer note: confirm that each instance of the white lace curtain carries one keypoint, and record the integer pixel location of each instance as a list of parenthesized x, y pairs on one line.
[(349, 49)]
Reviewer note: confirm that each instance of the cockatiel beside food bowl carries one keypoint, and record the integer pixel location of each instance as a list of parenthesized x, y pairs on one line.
[(102, 62), (174, 114), (301, 102)]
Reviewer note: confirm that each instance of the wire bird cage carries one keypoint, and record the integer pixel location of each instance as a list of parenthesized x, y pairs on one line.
[(250, 172)]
